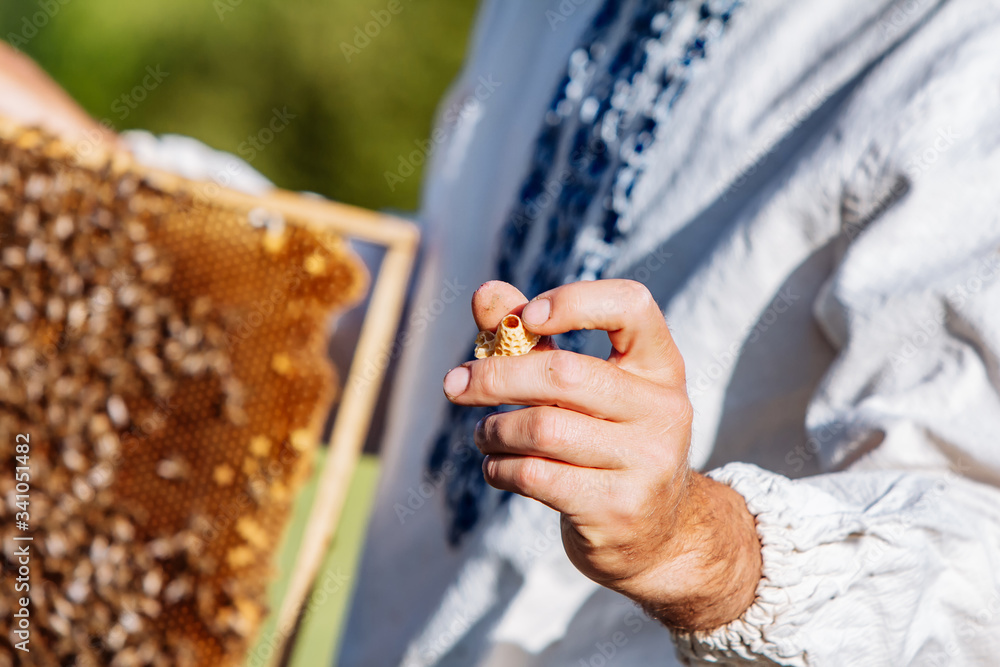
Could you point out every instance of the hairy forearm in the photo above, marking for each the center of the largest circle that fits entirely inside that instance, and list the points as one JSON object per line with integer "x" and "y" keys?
{"x": 716, "y": 545}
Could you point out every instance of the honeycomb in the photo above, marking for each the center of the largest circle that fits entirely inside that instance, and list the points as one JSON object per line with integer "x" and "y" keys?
{"x": 511, "y": 339}
{"x": 165, "y": 352}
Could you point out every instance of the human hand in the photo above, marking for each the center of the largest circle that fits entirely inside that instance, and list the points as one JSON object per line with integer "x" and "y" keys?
{"x": 605, "y": 443}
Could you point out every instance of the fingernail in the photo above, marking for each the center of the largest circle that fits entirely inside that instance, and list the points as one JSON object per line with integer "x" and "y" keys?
{"x": 457, "y": 381}
{"x": 536, "y": 312}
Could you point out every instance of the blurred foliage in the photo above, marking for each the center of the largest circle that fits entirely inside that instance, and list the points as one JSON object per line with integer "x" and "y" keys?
{"x": 230, "y": 63}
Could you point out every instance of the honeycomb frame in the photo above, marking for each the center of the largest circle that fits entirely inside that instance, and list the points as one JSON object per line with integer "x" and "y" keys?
{"x": 185, "y": 353}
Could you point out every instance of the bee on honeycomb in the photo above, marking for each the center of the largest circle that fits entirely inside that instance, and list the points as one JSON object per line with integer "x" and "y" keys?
{"x": 151, "y": 342}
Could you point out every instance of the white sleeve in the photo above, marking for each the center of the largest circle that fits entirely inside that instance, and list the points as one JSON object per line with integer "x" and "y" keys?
{"x": 865, "y": 569}
{"x": 194, "y": 160}
{"x": 893, "y": 557}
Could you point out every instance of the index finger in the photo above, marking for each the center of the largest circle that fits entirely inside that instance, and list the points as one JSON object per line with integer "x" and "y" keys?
{"x": 577, "y": 382}
{"x": 626, "y": 310}
{"x": 495, "y": 300}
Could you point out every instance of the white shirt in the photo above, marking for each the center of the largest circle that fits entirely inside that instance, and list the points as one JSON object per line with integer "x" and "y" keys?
{"x": 820, "y": 226}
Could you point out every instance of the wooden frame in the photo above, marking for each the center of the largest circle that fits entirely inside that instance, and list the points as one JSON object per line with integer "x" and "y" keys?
{"x": 354, "y": 411}
{"x": 400, "y": 239}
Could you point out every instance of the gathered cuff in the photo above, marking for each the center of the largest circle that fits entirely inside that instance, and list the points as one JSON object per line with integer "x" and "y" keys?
{"x": 765, "y": 633}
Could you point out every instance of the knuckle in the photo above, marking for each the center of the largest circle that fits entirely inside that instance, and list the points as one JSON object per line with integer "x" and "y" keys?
{"x": 664, "y": 406}
{"x": 566, "y": 370}
{"x": 487, "y": 431}
{"x": 488, "y": 376}
{"x": 628, "y": 508}
{"x": 546, "y": 428}
{"x": 638, "y": 295}
{"x": 573, "y": 298}
{"x": 530, "y": 474}
{"x": 479, "y": 433}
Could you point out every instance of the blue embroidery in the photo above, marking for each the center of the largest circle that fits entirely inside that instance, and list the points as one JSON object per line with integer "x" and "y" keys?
{"x": 619, "y": 87}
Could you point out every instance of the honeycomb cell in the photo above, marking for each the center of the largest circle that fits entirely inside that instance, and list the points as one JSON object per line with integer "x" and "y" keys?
{"x": 141, "y": 322}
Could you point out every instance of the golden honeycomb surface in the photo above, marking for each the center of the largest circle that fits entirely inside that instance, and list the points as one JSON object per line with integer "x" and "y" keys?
{"x": 165, "y": 352}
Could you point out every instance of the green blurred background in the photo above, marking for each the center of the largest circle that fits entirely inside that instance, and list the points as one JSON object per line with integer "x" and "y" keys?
{"x": 230, "y": 62}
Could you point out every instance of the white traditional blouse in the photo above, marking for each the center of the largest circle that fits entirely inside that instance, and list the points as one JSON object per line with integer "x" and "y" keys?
{"x": 811, "y": 190}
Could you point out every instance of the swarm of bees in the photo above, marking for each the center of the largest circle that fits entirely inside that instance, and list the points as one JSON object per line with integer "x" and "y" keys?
{"x": 166, "y": 355}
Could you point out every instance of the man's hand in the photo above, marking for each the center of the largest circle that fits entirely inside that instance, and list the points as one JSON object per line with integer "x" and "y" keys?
{"x": 605, "y": 443}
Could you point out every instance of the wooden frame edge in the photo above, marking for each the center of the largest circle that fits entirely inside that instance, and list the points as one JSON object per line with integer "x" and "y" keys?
{"x": 360, "y": 392}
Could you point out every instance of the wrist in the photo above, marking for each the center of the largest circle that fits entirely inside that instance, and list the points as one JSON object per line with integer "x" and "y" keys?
{"x": 708, "y": 573}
